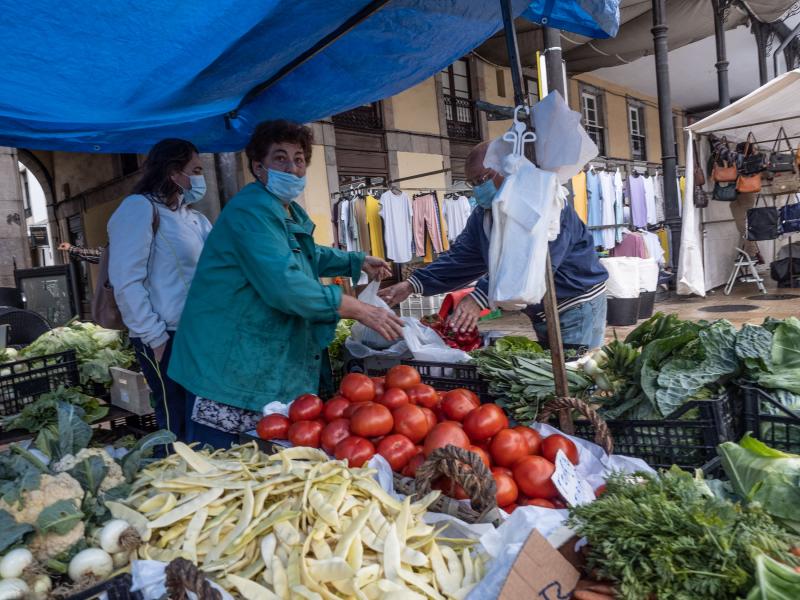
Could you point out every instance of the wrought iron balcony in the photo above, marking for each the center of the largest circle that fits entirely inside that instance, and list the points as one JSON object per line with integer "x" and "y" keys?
{"x": 462, "y": 119}
{"x": 363, "y": 117}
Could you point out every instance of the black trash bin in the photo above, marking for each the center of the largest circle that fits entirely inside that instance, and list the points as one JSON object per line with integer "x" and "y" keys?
{"x": 622, "y": 311}
{"x": 647, "y": 301}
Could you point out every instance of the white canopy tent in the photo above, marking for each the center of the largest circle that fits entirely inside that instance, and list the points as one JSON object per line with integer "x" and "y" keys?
{"x": 709, "y": 236}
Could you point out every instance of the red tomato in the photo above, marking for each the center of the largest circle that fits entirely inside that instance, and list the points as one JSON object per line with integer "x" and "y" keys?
{"x": 510, "y": 508}
{"x": 402, "y": 376}
{"x": 532, "y": 475}
{"x": 558, "y": 503}
{"x": 457, "y": 404}
{"x": 397, "y": 449}
{"x": 334, "y": 408}
{"x": 443, "y": 434}
{"x": 305, "y": 433}
{"x": 372, "y": 420}
{"x": 357, "y": 387}
{"x": 431, "y": 416}
{"x": 483, "y": 454}
{"x": 508, "y": 446}
{"x": 532, "y": 437}
{"x": 410, "y": 469}
{"x": 600, "y": 490}
{"x": 537, "y": 502}
{"x": 507, "y": 490}
{"x": 450, "y": 488}
{"x": 354, "y": 406}
{"x": 392, "y": 398}
{"x": 333, "y": 433}
{"x": 305, "y": 408}
{"x": 553, "y": 443}
{"x": 484, "y": 422}
{"x": 422, "y": 394}
{"x": 378, "y": 380}
{"x": 273, "y": 427}
{"x": 503, "y": 470}
{"x": 411, "y": 421}
{"x": 379, "y": 386}
{"x": 356, "y": 450}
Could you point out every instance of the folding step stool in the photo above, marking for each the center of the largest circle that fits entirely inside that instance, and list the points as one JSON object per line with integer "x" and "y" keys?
{"x": 744, "y": 263}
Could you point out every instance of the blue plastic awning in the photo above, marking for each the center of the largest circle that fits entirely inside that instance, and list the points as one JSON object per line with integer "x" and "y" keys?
{"x": 591, "y": 18}
{"x": 118, "y": 76}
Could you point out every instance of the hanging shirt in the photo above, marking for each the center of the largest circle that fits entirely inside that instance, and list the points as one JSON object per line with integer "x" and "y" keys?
{"x": 654, "y": 248}
{"x": 609, "y": 216}
{"x": 658, "y": 184}
{"x": 633, "y": 245}
{"x": 650, "y": 200}
{"x": 375, "y": 225}
{"x": 681, "y": 194}
{"x": 664, "y": 239}
{"x": 595, "y": 204}
{"x": 638, "y": 202}
{"x": 619, "y": 205}
{"x": 456, "y": 213}
{"x": 579, "y": 196}
{"x": 361, "y": 225}
{"x": 397, "y": 215}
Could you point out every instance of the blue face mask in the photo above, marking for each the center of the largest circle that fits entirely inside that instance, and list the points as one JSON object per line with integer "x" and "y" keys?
{"x": 485, "y": 193}
{"x": 284, "y": 185}
{"x": 197, "y": 191}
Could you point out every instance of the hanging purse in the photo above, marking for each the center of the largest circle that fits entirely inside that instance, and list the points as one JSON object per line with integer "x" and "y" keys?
{"x": 763, "y": 223}
{"x": 700, "y": 198}
{"x": 782, "y": 161}
{"x": 790, "y": 217}
{"x": 724, "y": 173}
{"x": 782, "y": 183}
{"x": 752, "y": 161}
{"x": 699, "y": 174}
{"x": 748, "y": 184}
{"x": 724, "y": 192}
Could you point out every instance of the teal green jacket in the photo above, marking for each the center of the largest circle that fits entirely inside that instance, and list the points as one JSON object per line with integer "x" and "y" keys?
{"x": 257, "y": 319}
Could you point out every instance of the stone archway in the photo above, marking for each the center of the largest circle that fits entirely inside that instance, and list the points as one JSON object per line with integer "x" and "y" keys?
{"x": 45, "y": 178}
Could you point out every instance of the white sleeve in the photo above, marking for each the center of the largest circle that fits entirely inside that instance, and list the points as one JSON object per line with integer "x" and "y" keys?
{"x": 130, "y": 236}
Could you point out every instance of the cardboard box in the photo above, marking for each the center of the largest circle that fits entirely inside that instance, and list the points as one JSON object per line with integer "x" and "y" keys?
{"x": 129, "y": 391}
{"x": 540, "y": 572}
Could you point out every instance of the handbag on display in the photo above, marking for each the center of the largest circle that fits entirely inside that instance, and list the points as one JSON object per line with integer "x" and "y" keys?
{"x": 699, "y": 174}
{"x": 763, "y": 223}
{"x": 790, "y": 217}
{"x": 700, "y": 198}
{"x": 752, "y": 161}
{"x": 725, "y": 192}
{"x": 748, "y": 184}
{"x": 782, "y": 161}
{"x": 724, "y": 173}
{"x": 783, "y": 183}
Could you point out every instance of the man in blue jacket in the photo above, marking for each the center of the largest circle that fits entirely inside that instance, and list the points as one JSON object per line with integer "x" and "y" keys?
{"x": 580, "y": 279}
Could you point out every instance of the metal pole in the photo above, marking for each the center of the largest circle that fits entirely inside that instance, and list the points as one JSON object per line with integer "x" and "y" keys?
{"x": 550, "y": 303}
{"x": 552, "y": 56}
{"x": 668, "y": 157}
{"x": 761, "y": 32}
{"x": 722, "y": 59}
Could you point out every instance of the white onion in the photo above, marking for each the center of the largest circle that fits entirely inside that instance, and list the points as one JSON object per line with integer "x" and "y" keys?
{"x": 15, "y": 562}
{"x": 91, "y": 563}
{"x": 13, "y": 589}
{"x": 118, "y": 536}
{"x": 121, "y": 559}
{"x": 41, "y": 586}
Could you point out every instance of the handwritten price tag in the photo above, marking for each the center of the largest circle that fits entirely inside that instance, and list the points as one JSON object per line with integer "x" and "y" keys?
{"x": 574, "y": 488}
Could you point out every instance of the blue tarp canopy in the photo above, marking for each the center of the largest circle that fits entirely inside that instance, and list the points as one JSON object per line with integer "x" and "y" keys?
{"x": 592, "y": 18}
{"x": 118, "y": 76}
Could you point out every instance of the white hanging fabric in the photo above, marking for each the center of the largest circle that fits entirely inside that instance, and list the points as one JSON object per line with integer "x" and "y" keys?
{"x": 456, "y": 212}
{"x": 691, "y": 277}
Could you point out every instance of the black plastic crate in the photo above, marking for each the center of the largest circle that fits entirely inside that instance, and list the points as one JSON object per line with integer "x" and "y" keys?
{"x": 32, "y": 377}
{"x": 762, "y": 414}
{"x": 688, "y": 437}
{"x": 116, "y": 588}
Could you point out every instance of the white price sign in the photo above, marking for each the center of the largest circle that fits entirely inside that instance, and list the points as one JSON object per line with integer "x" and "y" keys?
{"x": 574, "y": 488}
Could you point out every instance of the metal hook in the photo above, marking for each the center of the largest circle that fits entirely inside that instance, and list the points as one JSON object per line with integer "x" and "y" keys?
{"x": 518, "y": 135}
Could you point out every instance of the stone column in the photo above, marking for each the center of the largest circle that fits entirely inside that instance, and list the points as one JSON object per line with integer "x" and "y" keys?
{"x": 13, "y": 231}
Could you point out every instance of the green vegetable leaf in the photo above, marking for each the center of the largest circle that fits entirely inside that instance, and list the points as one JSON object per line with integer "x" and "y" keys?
{"x": 774, "y": 580}
{"x": 137, "y": 458}
{"x": 653, "y": 357}
{"x": 786, "y": 344}
{"x": 754, "y": 346}
{"x": 117, "y": 493}
{"x": 90, "y": 473}
{"x": 11, "y": 532}
{"x": 59, "y": 518}
{"x": 73, "y": 432}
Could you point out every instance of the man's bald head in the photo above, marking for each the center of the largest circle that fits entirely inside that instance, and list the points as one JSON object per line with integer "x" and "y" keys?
{"x": 473, "y": 165}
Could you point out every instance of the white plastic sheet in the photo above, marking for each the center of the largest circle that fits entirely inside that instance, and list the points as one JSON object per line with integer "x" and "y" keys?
{"x": 425, "y": 344}
{"x": 562, "y": 144}
{"x": 623, "y": 276}
{"x": 398, "y": 350}
{"x": 522, "y": 212}
{"x": 691, "y": 273}
{"x": 648, "y": 275}
{"x": 362, "y": 333}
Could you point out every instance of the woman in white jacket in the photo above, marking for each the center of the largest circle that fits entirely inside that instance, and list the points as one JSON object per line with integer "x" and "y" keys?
{"x": 152, "y": 262}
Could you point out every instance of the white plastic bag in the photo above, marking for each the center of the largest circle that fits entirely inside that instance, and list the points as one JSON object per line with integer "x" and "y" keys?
{"x": 648, "y": 275}
{"x": 425, "y": 344}
{"x": 362, "y": 333}
{"x": 522, "y": 214}
{"x": 398, "y": 350}
{"x": 623, "y": 276}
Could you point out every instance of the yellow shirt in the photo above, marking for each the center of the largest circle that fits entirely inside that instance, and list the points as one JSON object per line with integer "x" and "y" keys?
{"x": 580, "y": 200}
{"x": 375, "y": 226}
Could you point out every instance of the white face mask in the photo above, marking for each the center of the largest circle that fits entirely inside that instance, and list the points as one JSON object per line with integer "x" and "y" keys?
{"x": 197, "y": 190}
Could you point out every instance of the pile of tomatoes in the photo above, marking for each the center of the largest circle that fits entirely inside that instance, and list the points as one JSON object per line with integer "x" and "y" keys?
{"x": 404, "y": 420}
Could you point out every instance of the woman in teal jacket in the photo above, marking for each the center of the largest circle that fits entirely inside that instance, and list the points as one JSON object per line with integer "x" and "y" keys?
{"x": 257, "y": 319}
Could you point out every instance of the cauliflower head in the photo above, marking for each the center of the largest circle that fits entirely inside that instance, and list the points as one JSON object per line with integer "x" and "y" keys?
{"x": 51, "y": 489}
{"x": 113, "y": 478}
{"x": 50, "y": 545}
